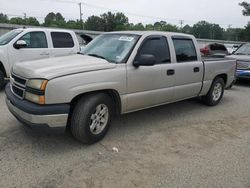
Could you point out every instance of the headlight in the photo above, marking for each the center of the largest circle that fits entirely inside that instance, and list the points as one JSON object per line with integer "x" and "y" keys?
{"x": 39, "y": 99}
{"x": 37, "y": 84}
{"x": 35, "y": 90}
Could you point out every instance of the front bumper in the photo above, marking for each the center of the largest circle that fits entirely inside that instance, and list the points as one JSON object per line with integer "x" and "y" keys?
{"x": 34, "y": 114}
{"x": 243, "y": 74}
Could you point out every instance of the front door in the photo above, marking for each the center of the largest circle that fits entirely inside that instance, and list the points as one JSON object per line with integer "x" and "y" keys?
{"x": 37, "y": 48}
{"x": 151, "y": 85}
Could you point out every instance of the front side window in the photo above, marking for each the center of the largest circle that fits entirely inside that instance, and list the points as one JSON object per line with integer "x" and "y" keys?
{"x": 62, "y": 40}
{"x": 185, "y": 50}
{"x": 114, "y": 48}
{"x": 35, "y": 40}
{"x": 6, "y": 38}
{"x": 158, "y": 47}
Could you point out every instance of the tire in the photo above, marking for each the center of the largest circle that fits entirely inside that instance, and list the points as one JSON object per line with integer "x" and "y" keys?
{"x": 215, "y": 93}
{"x": 91, "y": 118}
{"x": 2, "y": 81}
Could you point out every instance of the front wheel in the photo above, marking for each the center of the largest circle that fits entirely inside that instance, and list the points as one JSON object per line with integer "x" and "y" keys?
{"x": 215, "y": 93}
{"x": 91, "y": 118}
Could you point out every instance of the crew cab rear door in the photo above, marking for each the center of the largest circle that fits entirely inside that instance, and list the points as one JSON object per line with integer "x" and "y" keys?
{"x": 188, "y": 68}
{"x": 151, "y": 85}
{"x": 63, "y": 44}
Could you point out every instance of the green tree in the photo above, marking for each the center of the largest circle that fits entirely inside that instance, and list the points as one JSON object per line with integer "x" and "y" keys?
{"x": 32, "y": 21}
{"x": 187, "y": 29}
{"x": 54, "y": 20}
{"x": 49, "y": 19}
{"x": 3, "y": 18}
{"x": 114, "y": 22}
{"x": 138, "y": 27}
{"x": 207, "y": 30}
{"x": 94, "y": 23}
{"x": 17, "y": 20}
{"x": 246, "y": 8}
{"x": 149, "y": 27}
{"x": 72, "y": 24}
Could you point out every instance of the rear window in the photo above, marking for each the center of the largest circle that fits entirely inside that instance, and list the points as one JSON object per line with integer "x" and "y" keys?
{"x": 185, "y": 50}
{"x": 218, "y": 47}
{"x": 62, "y": 40}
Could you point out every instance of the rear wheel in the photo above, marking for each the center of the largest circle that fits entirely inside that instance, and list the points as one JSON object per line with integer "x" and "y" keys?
{"x": 2, "y": 81}
{"x": 91, "y": 118}
{"x": 215, "y": 93}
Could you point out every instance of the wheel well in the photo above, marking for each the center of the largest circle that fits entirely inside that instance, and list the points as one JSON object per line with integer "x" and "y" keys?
{"x": 2, "y": 69}
{"x": 223, "y": 76}
{"x": 114, "y": 95}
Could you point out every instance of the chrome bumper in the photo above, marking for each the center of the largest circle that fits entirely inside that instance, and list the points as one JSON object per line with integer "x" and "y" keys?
{"x": 57, "y": 120}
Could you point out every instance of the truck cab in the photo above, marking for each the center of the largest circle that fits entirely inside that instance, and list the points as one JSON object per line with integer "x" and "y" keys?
{"x": 21, "y": 45}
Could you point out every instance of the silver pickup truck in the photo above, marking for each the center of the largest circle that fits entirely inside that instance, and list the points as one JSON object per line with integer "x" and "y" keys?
{"x": 119, "y": 72}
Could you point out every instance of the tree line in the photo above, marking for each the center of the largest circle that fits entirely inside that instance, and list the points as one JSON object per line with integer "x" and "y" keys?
{"x": 118, "y": 21}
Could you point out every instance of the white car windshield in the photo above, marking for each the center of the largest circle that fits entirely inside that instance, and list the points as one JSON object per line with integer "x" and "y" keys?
{"x": 243, "y": 50}
{"x": 6, "y": 38}
{"x": 114, "y": 48}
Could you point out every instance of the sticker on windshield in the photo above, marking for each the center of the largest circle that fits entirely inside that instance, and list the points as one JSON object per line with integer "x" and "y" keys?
{"x": 125, "y": 38}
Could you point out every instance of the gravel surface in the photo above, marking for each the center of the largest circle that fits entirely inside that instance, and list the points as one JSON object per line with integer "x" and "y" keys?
{"x": 185, "y": 144}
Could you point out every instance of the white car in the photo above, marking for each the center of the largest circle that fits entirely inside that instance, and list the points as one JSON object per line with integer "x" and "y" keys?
{"x": 34, "y": 43}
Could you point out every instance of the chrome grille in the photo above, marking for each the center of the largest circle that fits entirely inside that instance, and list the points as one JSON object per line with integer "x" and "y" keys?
{"x": 243, "y": 65}
{"x": 18, "y": 85}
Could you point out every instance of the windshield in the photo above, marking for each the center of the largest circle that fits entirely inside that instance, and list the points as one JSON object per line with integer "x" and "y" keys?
{"x": 114, "y": 48}
{"x": 243, "y": 50}
{"x": 6, "y": 38}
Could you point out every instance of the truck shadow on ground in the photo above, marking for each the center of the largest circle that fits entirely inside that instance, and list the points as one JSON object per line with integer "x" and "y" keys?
{"x": 245, "y": 83}
{"x": 59, "y": 140}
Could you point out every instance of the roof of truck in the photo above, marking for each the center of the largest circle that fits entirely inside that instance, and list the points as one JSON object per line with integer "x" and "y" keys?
{"x": 149, "y": 33}
{"x": 44, "y": 29}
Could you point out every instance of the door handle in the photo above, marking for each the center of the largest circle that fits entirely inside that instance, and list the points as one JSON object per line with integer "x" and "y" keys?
{"x": 196, "y": 69}
{"x": 170, "y": 72}
{"x": 44, "y": 53}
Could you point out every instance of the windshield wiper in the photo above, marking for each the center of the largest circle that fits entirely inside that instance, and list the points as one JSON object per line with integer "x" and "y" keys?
{"x": 240, "y": 54}
{"x": 99, "y": 56}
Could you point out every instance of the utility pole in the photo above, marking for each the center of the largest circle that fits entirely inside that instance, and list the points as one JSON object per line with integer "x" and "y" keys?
{"x": 181, "y": 22}
{"x": 25, "y": 18}
{"x": 81, "y": 14}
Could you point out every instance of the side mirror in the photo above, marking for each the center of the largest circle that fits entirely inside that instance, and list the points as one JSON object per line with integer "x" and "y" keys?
{"x": 20, "y": 44}
{"x": 145, "y": 60}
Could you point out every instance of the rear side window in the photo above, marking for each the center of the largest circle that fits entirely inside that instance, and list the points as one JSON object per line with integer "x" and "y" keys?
{"x": 158, "y": 47}
{"x": 185, "y": 50}
{"x": 62, "y": 40}
{"x": 35, "y": 39}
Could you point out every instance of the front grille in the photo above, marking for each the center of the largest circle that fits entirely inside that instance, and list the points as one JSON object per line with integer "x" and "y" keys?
{"x": 19, "y": 80}
{"x": 18, "y": 85}
{"x": 18, "y": 91}
{"x": 243, "y": 65}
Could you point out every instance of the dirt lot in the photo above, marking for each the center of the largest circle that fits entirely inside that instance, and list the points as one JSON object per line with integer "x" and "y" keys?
{"x": 185, "y": 144}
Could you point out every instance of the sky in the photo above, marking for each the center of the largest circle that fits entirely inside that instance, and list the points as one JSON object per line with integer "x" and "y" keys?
{"x": 223, "y": 12}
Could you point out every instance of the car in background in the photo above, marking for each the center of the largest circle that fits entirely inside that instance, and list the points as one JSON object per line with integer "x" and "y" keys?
{"x": 231, "y": 48}
{"x": 242, "y": 55}
{"x": 28, "y": 44}
{"x": 213, "y": 49}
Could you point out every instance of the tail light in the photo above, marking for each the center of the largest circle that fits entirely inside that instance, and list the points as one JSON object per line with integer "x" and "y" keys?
{"x": 205, "y": 51}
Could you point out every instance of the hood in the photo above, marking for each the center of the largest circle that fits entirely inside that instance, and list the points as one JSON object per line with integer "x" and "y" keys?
{"x": 241, "y": 57}
{"x": 60, "y": 66}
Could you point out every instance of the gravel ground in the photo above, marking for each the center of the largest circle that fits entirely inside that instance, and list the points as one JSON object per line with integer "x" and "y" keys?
{"x": 185, "y": 144}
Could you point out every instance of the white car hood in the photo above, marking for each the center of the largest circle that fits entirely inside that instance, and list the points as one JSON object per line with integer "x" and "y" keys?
{"x": 241, "y": 57}
{"x": 60, "y": 66}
